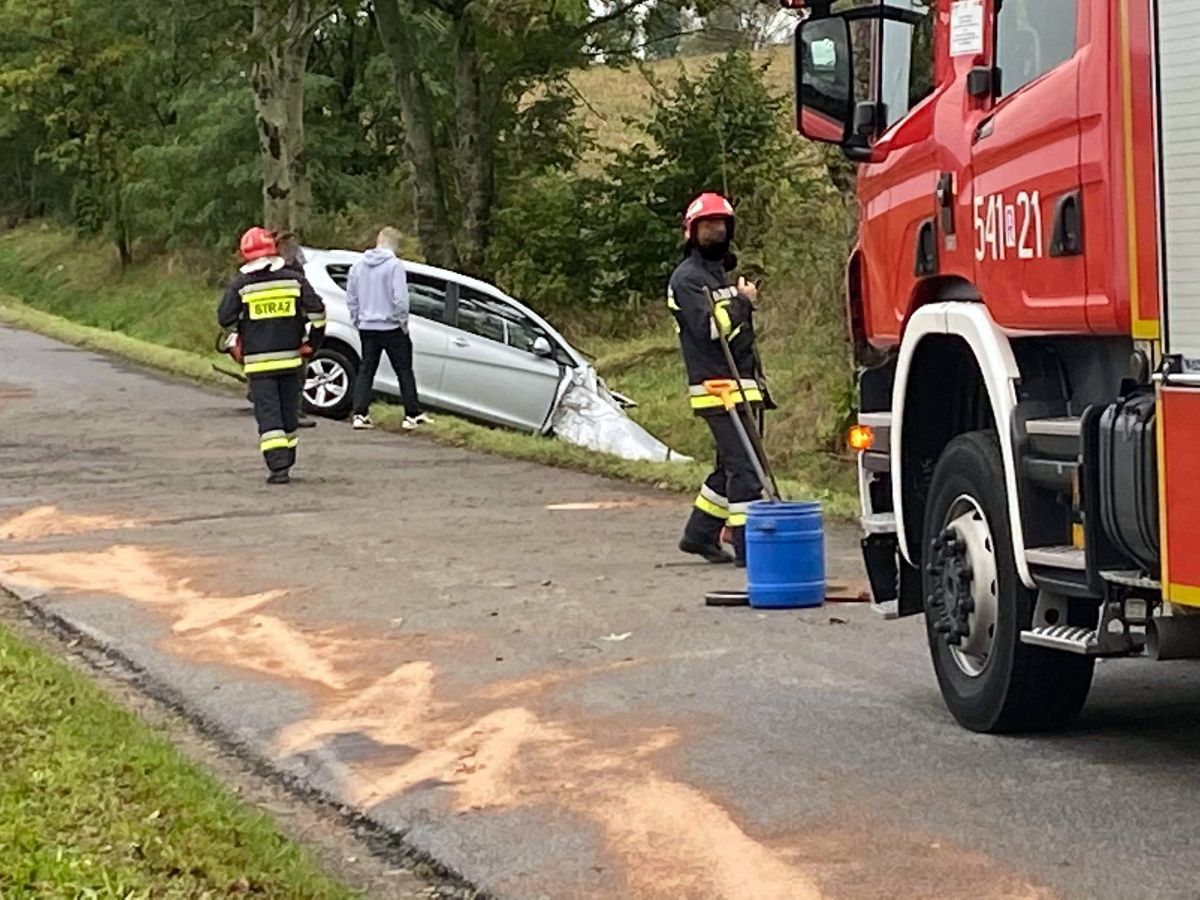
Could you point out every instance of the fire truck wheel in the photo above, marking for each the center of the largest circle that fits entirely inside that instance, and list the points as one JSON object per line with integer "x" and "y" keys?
{"x": 976, "y": 606}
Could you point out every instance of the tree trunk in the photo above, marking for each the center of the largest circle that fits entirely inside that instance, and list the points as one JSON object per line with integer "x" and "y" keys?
{"x": 120, "y": 222}
{"x": 473, "y": 156}
{"x": 433, "y": 220}
{"x": 300, "y": 211}
{"x": 282, "y": 39}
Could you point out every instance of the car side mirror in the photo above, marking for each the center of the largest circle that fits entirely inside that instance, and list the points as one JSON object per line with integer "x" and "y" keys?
{"x": 541, "y": 347}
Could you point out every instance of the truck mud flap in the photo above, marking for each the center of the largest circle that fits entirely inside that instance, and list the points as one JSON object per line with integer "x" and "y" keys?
{"x": 892, "y": 579}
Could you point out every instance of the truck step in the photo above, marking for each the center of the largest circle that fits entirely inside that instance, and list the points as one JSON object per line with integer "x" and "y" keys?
{"x": 1071, "y": 558}
{"x": 1084, "y": 641}
{"x": 1063, "y": 426}
{"x": 879, "y": 523}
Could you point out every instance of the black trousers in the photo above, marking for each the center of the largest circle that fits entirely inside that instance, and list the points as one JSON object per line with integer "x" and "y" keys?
{"x": 727, "y": 493}
{"x": 276, "y": 399}
{"x": 250, "y": 398}
{"x": 399, "y": 349}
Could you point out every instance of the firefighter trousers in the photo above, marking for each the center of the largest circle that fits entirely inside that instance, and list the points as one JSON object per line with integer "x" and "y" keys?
{"x": 276, "y": 399}
{"x": 727, "y": 493}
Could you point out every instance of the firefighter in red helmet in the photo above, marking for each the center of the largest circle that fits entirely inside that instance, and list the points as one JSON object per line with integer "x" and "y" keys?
{"x": 269, "y": 305}
{"x": 706, "y": 308}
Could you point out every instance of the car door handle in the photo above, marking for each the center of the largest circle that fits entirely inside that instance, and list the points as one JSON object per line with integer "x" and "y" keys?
{"x": 461, "y": 342}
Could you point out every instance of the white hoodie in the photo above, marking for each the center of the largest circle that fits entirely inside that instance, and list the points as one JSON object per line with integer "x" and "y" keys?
{"x": 377, "y": 292}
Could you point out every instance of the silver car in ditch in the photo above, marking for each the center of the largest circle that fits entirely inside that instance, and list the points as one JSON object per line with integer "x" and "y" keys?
{"x": 476, "y": 351}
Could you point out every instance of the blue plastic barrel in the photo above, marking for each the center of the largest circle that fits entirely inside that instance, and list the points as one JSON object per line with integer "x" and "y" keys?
{"x": 785, "y": 555}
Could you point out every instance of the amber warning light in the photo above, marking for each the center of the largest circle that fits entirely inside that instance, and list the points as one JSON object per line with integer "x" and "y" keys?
{"x": 861, "y": 438}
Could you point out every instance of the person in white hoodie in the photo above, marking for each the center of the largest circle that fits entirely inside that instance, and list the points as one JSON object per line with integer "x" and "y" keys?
{"x": 377, "y": 295}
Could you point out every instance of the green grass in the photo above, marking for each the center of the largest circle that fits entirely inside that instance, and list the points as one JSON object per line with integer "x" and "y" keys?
{"x": 94, "y": 804}
{"x": 169, "y": 300}
{"x": 160, "y": 314}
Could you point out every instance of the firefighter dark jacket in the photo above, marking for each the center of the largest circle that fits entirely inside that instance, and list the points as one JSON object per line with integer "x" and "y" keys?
{"x": 268, "y": 305}
{"x": 699, "y": 330}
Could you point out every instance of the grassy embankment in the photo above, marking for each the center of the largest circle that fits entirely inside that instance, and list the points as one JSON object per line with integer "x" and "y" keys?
{"x": 94, "y": 804}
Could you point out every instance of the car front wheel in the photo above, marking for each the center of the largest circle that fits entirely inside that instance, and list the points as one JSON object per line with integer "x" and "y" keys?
{"x": 329, "y": 384}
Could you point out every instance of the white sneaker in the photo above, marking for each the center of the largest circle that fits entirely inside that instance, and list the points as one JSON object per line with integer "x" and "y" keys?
{"x": 423, "y": 419}
{"x": 411, "y": 423}
{"x": 363, "y": 423}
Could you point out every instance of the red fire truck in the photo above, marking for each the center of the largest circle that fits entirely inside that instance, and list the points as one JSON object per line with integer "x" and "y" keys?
{"x": 1024, "y": 299}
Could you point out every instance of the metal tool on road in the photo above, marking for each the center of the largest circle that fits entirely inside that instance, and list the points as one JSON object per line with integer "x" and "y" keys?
{"x": 751, "y": 434}
{"x": 727, "y": 599}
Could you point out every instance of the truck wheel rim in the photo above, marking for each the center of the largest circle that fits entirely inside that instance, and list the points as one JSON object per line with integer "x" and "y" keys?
{"x": 326, "y": 383}
{"x": 965, "y": 598}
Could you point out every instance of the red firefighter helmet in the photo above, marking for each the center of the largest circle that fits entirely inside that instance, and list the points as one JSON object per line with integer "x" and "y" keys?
{"x": 707, "y": 206}
{"x": 257, "y": 243}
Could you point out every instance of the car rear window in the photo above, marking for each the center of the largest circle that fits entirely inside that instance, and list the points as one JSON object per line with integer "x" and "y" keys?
{"x": 427, "y": 296}
{"x": 339, "y": 274}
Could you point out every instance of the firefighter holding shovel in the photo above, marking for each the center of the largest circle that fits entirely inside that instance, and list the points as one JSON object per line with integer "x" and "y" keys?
{"x": 715, "y": 321}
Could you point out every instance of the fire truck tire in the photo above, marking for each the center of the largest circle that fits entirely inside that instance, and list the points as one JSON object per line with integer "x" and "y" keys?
{"x": 976, "y": 606}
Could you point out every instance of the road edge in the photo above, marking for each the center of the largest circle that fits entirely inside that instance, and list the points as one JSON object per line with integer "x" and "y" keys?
{"x": 385, "y": 841}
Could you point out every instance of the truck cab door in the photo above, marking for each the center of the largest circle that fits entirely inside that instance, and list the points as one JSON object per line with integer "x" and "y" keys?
{"x": 1027, "y": 184}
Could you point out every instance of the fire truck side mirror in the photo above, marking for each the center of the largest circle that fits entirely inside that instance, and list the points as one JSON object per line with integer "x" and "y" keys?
{"x": 825, "y": 96}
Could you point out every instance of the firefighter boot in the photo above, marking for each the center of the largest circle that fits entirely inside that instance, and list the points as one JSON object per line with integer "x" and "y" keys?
{"x": 737, "y": 537}
{"x": 702, "y": 537}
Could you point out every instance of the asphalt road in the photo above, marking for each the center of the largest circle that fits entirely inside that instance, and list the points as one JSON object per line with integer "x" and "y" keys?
{"x": 537, "y": 696}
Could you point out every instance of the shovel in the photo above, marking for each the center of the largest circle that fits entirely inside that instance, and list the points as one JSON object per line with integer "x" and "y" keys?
{"x": 727, "y": 390}
{"x": 752, "y": 438}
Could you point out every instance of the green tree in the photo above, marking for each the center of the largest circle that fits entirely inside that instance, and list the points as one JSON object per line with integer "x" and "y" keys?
{"x": 100, "y": 88}
{"x": 663, "y": 27}
{"x": 465, "y": 70}
{"x": 736, "y": 25}
{"x": 78, "y": 71}
{"x": 202, "y": 183}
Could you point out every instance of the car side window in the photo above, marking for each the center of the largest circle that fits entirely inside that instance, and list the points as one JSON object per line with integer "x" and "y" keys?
{"x": 497, "y": 320}
{"x": 476, "y": 317}
{"x": 427, "y": 297}
{"x": 339, "y": 274}
{"x": 1033, "y": 37}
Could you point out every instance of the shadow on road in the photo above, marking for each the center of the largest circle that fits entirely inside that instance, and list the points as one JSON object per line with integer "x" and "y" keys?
{"x": 1146, "y": 713}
